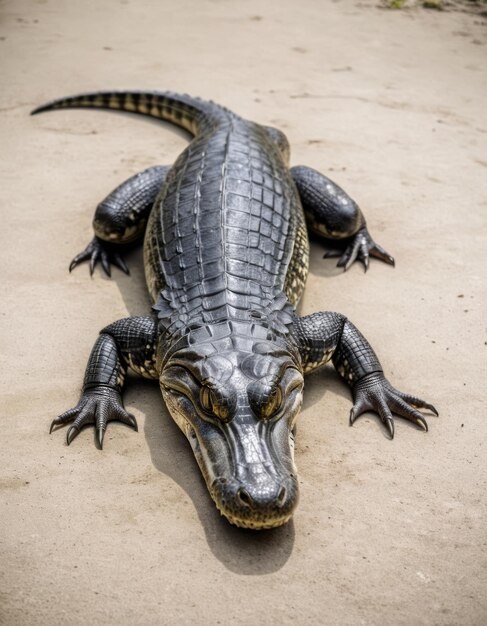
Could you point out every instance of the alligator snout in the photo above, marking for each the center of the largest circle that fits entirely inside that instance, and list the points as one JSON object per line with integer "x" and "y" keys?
{"x": 255, "y": 502}
{"x": 258, "y": 504}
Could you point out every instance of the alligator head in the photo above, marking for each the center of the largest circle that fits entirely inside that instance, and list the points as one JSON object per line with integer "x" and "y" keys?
{"x": 236, "y": 399}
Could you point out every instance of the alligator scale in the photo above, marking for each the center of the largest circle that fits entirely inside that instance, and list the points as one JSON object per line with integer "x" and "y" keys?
{"x": 226, "y": 260}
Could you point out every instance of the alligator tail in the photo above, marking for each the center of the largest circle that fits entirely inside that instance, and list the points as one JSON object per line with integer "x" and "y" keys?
{"x": 192, "y": 114}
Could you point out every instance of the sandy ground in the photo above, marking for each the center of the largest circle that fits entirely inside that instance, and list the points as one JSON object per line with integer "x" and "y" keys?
{"x": 390, "y": 104}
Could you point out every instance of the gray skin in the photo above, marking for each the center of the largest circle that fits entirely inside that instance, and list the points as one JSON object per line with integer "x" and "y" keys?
{"x": 226, "y": 260}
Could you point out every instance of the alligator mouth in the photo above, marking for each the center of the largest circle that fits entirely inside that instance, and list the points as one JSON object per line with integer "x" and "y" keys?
{"x": 254, "y": 524}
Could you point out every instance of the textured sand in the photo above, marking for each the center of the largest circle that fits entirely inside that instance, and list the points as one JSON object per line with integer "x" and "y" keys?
{"x": 390, "y": 104}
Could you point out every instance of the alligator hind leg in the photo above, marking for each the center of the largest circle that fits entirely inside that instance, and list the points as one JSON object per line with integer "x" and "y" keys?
{"x": 121, "y": 218}
{"x": 130, "y": 342}
{"x": 332, "y": 214}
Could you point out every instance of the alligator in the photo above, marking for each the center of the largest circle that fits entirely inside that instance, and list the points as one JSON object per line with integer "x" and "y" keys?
{"x": 226, "y": 259}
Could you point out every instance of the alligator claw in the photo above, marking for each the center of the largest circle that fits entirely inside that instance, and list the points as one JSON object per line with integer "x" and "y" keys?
{"x": 100, "y": 433}
{"x": 423, "y": 423}
{"x": 79, "y": 258}
{"x": 99, "y": 251}
{"x": 71, "y": 434}
{"x": 381, "y": 254}
{"x": 365, "y": 258}
{"x": 97, "y": 406}
{"x": 360, "y": 247}
{"x": 65, "y": 417}
{"x": 105, "y": 263}
{"x": 120, "y": 263}
{"x": 419, "y": 404}
{"x": 352, "y": 255}
{"x": 375, "y": 393}
{"x": 389, "y": 422}
{"x": 131, "y": 421}
{"x": 93, "y": 261}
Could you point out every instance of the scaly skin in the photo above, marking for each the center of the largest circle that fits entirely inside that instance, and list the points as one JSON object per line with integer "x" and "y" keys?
{"x": 226, "y": 260}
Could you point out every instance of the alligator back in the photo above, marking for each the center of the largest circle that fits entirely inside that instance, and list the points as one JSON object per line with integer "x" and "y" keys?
{"x": 223, "y": 229}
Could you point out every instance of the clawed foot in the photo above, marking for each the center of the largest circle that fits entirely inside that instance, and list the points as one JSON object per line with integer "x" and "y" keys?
{"x": 375, "y": 393}
{"x": 99, "y": 250}
{"x": 361, "y": 247}
{"x": 97, "y": 406}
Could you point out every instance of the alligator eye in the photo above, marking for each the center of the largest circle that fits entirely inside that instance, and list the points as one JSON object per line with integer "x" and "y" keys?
{"x": 212, "y": 403}
{"x": 207, "y": 399}
{"x": 273, "y": 404}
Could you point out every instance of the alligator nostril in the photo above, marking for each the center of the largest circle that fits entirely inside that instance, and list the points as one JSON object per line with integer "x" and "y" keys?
{"x": 244, "y": 497}
{"x": 281, "y": 495}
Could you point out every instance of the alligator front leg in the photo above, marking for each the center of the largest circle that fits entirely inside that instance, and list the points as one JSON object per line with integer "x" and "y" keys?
{"x": 324, "y": 336}
{"x": 121, "y": 218}
{"x": 130, "y": 342}
{"x": 332, "y": 214}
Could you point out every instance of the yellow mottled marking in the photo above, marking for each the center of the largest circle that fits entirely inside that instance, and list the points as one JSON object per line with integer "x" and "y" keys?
{"x": 128, "y": 104}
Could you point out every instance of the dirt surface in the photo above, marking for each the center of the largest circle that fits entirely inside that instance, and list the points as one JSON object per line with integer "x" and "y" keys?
{"x": 392, "y": 105}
